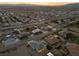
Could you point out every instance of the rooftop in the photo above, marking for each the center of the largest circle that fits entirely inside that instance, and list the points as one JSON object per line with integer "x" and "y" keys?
{"x": 37, "y": 44}
{"x": 50, "y": 54}
{"x": 9, "y": 41}
{"x": 73, "y": 49}
{"x": 51, "y": 39}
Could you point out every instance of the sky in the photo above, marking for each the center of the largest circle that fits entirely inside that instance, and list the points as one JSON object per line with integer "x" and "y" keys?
{"x": 38, "y": 3}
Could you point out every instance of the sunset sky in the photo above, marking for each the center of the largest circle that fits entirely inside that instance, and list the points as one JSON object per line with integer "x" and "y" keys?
{"x": 38, "y": 3}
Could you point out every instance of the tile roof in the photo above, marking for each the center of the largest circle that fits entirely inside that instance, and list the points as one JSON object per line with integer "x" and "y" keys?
{"x": 52, "y": 39}
{"x": 73, "y": 49}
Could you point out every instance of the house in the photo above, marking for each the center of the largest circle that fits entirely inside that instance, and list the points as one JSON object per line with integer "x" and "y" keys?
{"x": 36, "y": 31}
{"x": 63, "y": 33}
{"x": 38, "y": 46}
{"x": 46, "y": 28}
{"x": 37, "y": 37}
{"x": 10, "y": 41}
{"x": 23, "y": 35}
{"x": 42, "y": 52}
{"x": 53, "y": 40}
{"x": 73, "y": 49}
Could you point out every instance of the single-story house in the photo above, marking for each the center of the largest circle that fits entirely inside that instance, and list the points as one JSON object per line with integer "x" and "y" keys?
{"x": 10, "y": 41}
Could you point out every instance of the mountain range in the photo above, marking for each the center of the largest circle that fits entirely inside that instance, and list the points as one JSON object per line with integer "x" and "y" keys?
{"x": 31, "y": 5}
{"x": 72, "y": 5}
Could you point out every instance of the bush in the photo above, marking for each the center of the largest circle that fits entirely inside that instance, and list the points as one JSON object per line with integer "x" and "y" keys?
{"x": 16, "y": 32}
{"x": 28, "y": 29}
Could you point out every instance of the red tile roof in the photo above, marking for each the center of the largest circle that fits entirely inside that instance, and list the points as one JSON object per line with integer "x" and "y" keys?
{"x": 51, "y": 39}
{"x": 73, "y": 49}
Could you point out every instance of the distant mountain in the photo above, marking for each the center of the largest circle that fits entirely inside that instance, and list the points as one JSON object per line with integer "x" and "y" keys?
{"x": 72, "y": 5}
{"x": 19, "y": 5}
{"x": 34, "y": 6}
{"x": 29, "y": 6}
{"x": 75, "y": 6}
{"x": 14, "y": 5}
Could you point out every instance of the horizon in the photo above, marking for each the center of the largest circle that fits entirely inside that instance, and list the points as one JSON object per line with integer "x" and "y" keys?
{"x": 39, "y": 3}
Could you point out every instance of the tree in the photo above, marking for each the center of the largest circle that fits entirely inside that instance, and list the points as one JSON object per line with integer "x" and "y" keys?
{"x": 49, "y": 47}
